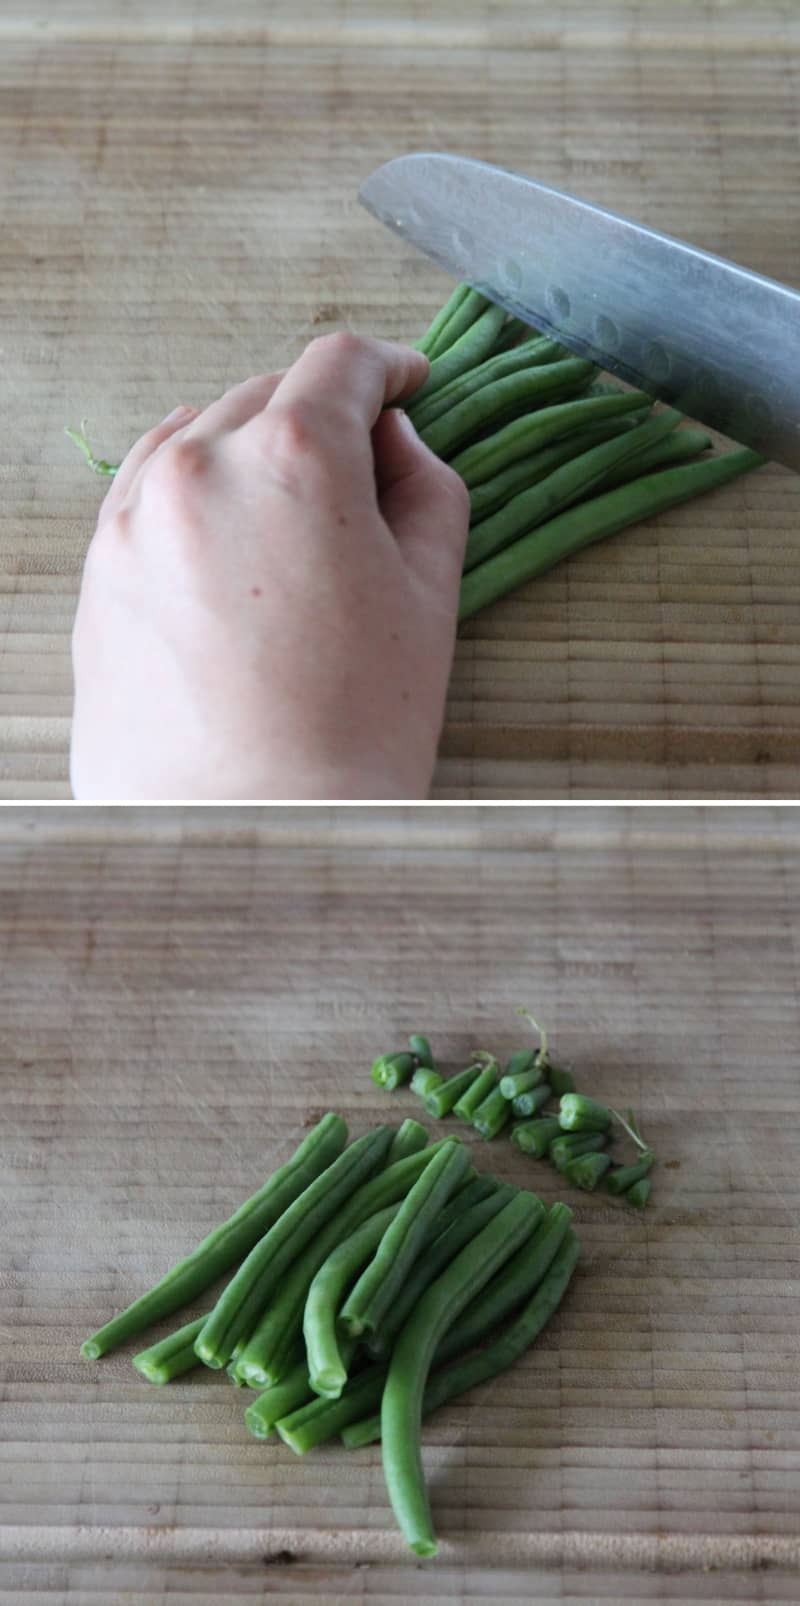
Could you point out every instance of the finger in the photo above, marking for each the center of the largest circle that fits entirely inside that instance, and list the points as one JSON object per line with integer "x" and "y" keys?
{"x": 424, "y": 502}
{"x": 237, "y": 406}
{"x": 351, "y": 377}
{"x": 137, "y": 456}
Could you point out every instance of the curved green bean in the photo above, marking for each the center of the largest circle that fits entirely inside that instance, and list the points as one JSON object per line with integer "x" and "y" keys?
{"x": 486, "y": 458}
{"x": 531, "y": 355}
{"x": 228, "y": 1242}
{"x": 591, "y": 521}
{"x": 379, "y": 1285}
{"x": 528, "y": 385}
{"x": 243, "y": 1300}
{"x": 171, "y": 1356}
{"x": 564, "y": 486}
{"x": 410, "y": 1137}
{"x": 470, "y": 348}
{"x": 326, "y": 1370}
{"x": 267, "y": 1352}
{"x": 401, "y": 1407}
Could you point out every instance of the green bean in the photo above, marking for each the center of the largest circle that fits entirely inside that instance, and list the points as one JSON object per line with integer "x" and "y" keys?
{"x": 469, "y": 1194}
{"x": 534, "y": 1137}
{"x": 527, "y": 1103}
{"x": 492, "y": 1114}
{"x": 240, "y": 1305}
{"x": 516, "y": 1082}
{"x": 492, "y": 494}
{"x": 498, "y": 366}
{"x": 392, "y": 1070}
{"x": 639, "y": 1194}
{"x": 409, "y": 1138}
{"x": 507, "y": 1290}
{"x": 566, "y": 485}
{"x": 326, "y": 1369}
{"x": 268, "y": 1351}
{"x": 470, "y": 348}
{"x": 529, "y": 386}
{"x": 587, "y": 1169}
{"x": 624, "y": 1176}
{"x": 313, "y": 1423}
{"x": 380, "y": 1284}
{"x": 477, "y": 1091}
{"x": 561, "y": 1081}
{"x": 571, "y": 1145}
{"x": 441, "y": 1100}
{"x": 439, "y": 1307}
{"x": 424, "y": 1081}
{"x": 577, "y": 1113}
{"x": 172, "y": 1356}
{"x": 451, "y": 1381}
{"x": 679, "y": 447}
{"x": 228, "y": 1242}
{"x": 515, "y": 330}
{"x": 436, "y": 1257}
{"x": 456, "y": 317}
{"x": 486, "y": 458}
{"x": 422, "y": 1051}
{"x": 590, "y": 521}
{"x": 293, "y": 1390}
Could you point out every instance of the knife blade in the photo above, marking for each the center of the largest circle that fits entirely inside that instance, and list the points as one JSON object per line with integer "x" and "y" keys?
{"x": 694, "y": 330}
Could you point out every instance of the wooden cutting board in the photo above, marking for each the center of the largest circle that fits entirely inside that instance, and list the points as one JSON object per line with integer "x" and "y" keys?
{"x": 178, "y": 1002}
{"x": 179, "y": 212}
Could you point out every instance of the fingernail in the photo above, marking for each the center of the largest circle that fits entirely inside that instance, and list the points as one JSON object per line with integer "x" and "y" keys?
{"x": 177, "y": 412}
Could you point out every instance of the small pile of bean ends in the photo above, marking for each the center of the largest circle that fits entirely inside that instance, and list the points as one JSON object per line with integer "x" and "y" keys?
{"x": 379, "y": 1276}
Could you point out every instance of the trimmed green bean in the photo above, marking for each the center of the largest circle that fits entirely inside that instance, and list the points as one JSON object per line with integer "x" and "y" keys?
{"x": 528, "y": 385}
{"x": 451, "y": 1381}
{"x": 321, "y": 1419}
{"x": 424, "y": 1081}
{"x": 484, "y": 459}
{"x": 393, "y": 1070}
{"x": 410, "y": 1137}
{"x": 492, "y": 494}
{"x": 591, "y": 521}
{"x": 516, "y": 1082}
{"x": 439, "y": 1307}
{"x": 478, "y": 1090}
{"x": 326, "y": 1369}
{"x": 267, "y": 1352}
{"x": 571, "y": 1145}
{"x": 436, "y": 1257}
{"x": 379, "y": 1285}
{"x": 568, "y": 484}
{"x": 639, "y": 1194}
{"x": 228, "y": 1242}
{"x": 240, "y": 1305}
{"x": 527, "y": 1104}
{"x": 293, "y": 1390}
{"x": 534, "y": 1137}
{"x": 469, "y": 349}
{"x": 456, "y": 318}
{"x": 441, "y": 1100}
{"x": 577, "y": 1113}
{"x": 499, "y": 366}
{"x": 587, "y": 1170}
{"x": 421, "y": 1049}
{"x": 624, "y": 1176}
{"x": 172, "y": 1356}
{"x": 492, "y": 1114}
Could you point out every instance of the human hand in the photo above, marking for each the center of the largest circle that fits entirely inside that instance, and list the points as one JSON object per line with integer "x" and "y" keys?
{"x": 268, "y": 605}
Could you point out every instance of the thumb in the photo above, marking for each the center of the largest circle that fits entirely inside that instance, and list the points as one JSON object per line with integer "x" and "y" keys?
{"x": 424, "y": 502}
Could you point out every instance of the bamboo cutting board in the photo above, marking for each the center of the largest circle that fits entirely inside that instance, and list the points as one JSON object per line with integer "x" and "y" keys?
{"x": 179, "y": 212}
{"x": 179, "y": 998}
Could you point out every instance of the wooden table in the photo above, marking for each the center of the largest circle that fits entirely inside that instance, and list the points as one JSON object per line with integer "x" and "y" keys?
{"x": 180, "y": 993}
{"x": 179, "y": 212}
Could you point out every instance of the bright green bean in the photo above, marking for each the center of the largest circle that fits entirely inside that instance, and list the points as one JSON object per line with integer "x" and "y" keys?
{"x": 534, "y": 1137}
{"x": 421, "y": 1049}
{"x": 577, "y": 1113}
{"x": 240, "y": 1305}
{"x": 492, "y": 1114}
{"x": 639, "y": 1194}
{"x": 424, "y": 1081}
{"x": 268, "y": 1351}
{"x": 479, "y": 411}
{"x": 441, "y": 1100}
{"x": 438, "y": 1309}
{"x": 625, "y": 1175}
{"x": 531, "y": 355}
{"x": 320, "y": 1419}
{"x": 326, "y": 1369}
{"x": 533, "y": 1099}
{"x": 492, "y": 494}
{"x": 172, "y": 1356}
{"x": 570, "y": 1145}
{"x": 393, "y": 1070}
{"x": 478, "y": 1090}
{"x": 486, "y": 458}
{"x": 516, "y": 1082}
{"x": 294, "y": 1389}
{"x": 379, "y": 1285}
{"x": 568, "y": 484}
{"x": 456, "y": 318}
{"x": 591, "y": 521}
{"x": 586, "y": 1170}
{"x": 470, "y": 348}
{"x": 228, "y": 1242}
{"x": 410, "y": 1137}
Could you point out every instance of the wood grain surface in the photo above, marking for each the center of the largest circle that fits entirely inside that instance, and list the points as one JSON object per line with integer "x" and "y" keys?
{"x": 181, "y": 991}
{"x": 178, "y": 211}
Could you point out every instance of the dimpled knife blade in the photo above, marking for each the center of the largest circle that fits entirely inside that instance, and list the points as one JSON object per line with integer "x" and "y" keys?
{"x": 707, "y": 336}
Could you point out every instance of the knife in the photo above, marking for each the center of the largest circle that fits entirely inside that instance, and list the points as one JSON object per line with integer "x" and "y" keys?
{"x": 707, "y": 336}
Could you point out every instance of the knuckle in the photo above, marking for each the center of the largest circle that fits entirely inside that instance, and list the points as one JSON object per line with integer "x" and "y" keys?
{"x": 176, "y": 470}
{"x": 344, "y": 343}
{"x": 293, "y": 427}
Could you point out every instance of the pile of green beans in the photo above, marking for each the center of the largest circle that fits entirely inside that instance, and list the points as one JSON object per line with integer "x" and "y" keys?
{"x": 574, "y": 1138}
{"x": 366, "y": 1273}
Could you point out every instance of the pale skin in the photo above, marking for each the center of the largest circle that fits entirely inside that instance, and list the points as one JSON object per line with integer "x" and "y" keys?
{"x": 268, "y": 605}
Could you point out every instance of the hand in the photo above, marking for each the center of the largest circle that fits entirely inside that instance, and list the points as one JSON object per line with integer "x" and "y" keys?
{"x": 268, "y": 606}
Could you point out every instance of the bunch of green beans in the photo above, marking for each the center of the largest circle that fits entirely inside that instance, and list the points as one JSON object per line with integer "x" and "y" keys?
{"x": 360, "y": 1265}
{"x": 573, "y": 1139}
